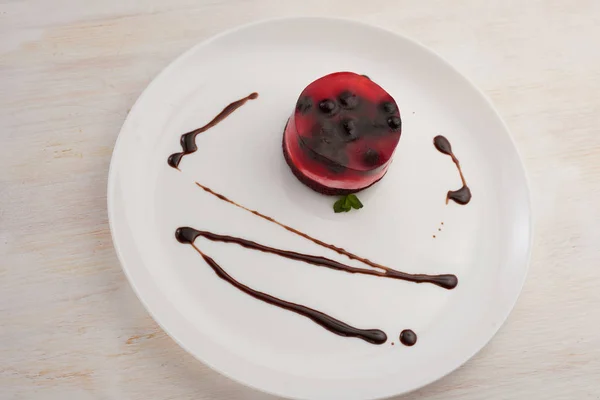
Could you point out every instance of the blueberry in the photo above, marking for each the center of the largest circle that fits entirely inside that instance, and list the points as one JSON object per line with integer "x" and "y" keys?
{"x": 304, "y": 104}
{"x": 394, "y": 122}
{"x": 327, "y": 106}
{"x": 371, "y": 157}
{"x": 388, "y": 107}
{"x": 348, "y": 100}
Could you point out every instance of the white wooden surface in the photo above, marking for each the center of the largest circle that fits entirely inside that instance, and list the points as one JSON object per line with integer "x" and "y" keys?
{"x": 71, "y": 327}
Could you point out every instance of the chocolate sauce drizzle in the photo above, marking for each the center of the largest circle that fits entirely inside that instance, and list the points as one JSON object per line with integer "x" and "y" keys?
{"x": 375, "y": 336}
{"x": 462, "y": 195}
{"x": 292, "y": 255}
{"x": 408, "y": 337}
{"x": 188, "y": 140}
{"x": 446, "y": 281}
{"x": 188, "y": 235}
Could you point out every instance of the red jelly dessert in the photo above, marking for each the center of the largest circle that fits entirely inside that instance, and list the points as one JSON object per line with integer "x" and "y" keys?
{"x": 342, "y": 135}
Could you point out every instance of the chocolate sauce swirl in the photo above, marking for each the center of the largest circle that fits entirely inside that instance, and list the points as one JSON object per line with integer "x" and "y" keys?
{"x": 188, "y": 140}
{"x": 463, "y": 195}
{"x": 375, "y": 336}
{"x": 446, "y": 281}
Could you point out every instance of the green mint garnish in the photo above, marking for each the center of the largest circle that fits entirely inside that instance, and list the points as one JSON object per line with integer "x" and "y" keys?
{"x": 354, "y": 201}
{"x": 346, "y": 203}
{"x": 340, "y": 206}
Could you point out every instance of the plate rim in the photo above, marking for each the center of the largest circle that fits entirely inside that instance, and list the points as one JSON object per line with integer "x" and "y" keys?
{"x": 112, "y": 180}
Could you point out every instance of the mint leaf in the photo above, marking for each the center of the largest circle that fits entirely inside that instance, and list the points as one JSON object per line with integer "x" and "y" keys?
{"x": 347, "y": 203}
{"x": 354, "y": 202}
{"x": 338, "y": 206}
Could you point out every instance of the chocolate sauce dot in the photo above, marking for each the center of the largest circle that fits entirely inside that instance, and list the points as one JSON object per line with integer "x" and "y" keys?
{"x": 408, "y": 337}
{"x": 327, "y": 106}
{"x": 442, "y": 145}
{"x": 304, "y": 104}
{"x": 388, "y": 107}
{"x": 366, "y": 76}
{"x": 461, "y": 196}
{"x": 348, "y": 100}
{"x": 186, "y": 235}
{"x": 371, "y": 157}
{"x": 394, "y": 122}
{"x": 448, "y": 281}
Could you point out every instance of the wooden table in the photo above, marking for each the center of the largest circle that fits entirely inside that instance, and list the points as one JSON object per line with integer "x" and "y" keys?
{"x": 71, "y": 327}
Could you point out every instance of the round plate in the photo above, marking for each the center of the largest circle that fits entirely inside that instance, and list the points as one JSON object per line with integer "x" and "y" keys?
{"x": 405, "y": 223}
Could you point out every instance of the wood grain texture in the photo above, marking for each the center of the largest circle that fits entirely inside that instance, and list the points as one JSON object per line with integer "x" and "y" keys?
{"x": 70, "y": 325}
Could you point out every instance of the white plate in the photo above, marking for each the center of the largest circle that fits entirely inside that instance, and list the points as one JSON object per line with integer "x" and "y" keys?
{"x": 485, "y": 243}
